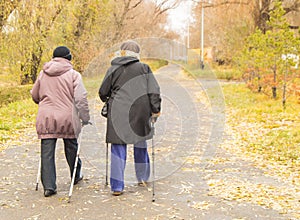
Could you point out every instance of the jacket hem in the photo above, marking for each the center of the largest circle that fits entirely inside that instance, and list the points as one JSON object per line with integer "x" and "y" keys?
{"x": 49, "y": 136}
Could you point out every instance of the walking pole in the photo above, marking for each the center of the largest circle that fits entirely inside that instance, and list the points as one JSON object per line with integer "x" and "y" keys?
{"x": 153, "y": 156}
{"x": 75, "y": 167}
{"x": 38, "y": 175}
{"x": 106, "y": 175}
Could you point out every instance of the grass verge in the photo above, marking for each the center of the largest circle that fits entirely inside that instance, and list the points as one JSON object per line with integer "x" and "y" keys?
{"x": 265, "y": 128}
{"x": 212, "y": 72}
{"x": 15, "y": 118}
{"x": 10, "y": 94}
{"x": 155, "y": 64}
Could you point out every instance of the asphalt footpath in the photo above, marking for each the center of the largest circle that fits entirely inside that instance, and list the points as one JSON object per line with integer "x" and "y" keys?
{"x": 193, "y": 172}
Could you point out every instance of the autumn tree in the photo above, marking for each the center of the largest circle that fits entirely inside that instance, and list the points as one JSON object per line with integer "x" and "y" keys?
{"x": 25, "y": 37}
{"x": 31, "y": 29}
{"x": 251, "y": 60}
{"x": 265, "y": 51}
{"x": 81, "y": 27}
{"x": 37, "y": 27}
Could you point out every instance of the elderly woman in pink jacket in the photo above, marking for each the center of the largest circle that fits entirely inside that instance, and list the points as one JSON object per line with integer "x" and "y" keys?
{"x": 63, "y": 109}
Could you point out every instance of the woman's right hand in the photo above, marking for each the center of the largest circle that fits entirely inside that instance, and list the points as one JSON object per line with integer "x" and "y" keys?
{"x": 154, "y": 117}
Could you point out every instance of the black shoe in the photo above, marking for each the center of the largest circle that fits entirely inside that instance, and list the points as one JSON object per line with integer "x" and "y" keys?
{"x": 76, "y": 181}
{"x": 49, "y": 192}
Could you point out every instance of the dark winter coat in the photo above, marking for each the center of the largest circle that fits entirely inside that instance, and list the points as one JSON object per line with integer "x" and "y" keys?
{"x": 133, "y": 94}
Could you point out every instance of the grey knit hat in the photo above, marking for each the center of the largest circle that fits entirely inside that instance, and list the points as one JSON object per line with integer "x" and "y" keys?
{"x": 130, "y": 45}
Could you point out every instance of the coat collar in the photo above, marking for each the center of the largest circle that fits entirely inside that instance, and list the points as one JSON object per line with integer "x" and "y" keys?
{"x": 124, "y": 53}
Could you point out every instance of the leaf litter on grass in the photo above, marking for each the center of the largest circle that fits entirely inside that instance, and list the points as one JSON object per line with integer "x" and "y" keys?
{"x": 284, "y": 196}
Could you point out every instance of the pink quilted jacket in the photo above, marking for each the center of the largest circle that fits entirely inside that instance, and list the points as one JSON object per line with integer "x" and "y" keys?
{"x": 62, "y": 100}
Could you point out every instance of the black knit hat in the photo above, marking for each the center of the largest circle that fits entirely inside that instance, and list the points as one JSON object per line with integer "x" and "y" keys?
{"x": 63, "y": 52}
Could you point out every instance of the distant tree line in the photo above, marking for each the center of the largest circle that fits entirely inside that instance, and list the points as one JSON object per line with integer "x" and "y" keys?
{"x": 227, "y": 23}
{"x": 30, "y": 29}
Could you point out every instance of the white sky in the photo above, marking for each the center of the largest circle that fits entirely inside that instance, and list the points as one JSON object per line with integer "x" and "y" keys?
{"x": 178, "y": 17}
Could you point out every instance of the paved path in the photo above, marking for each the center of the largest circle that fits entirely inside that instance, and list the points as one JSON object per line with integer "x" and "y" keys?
{"x": 190, "y": 168}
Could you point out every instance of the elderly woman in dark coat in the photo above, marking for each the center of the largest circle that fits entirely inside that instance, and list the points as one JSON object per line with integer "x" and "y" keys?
{"x": 133, "y": 97}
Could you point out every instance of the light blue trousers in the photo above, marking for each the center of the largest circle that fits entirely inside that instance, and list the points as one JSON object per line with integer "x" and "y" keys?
{"x": 118, "y": 163}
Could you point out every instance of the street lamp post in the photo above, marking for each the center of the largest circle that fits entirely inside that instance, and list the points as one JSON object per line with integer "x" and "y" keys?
{"x": 202, "y": 37}
{"x": 202, "y": 34}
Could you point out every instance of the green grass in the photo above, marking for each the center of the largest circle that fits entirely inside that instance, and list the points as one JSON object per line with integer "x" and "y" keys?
{"x": 155, "y": 64}
{"x": 212, "y": 72}
{"x": 15, "y": 118}
{"x": 269, "y": 130}
{"x": 17, "y": 111}
{"x": 7, "y": 79}
{"x": 10, "y": 94}
{"x": 228, "y": 74}
{"x": 92, "y": 85}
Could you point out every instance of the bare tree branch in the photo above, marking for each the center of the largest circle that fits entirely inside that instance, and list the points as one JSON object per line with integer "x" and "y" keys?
{"x": 227, "y": 2}
{"x": 135, "y": 5}
{"x": 294, "y": 7}
{"x": 120, "y": 20}
{"x": 164, "y": 6}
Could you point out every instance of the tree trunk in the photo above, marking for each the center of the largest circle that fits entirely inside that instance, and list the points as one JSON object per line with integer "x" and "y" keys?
{"x": 274, "y": 88}
{"x": 284, "y": 87}
{"x": 284, "y": 96}
{"x": 32, "y": 69}
{"x": 36, "y": 61}
{"x": 261, "y": 14}
{"x": 274, "y": 92}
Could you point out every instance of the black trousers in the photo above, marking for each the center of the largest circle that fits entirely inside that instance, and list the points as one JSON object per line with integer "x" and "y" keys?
{"x": 48, "y": 168}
